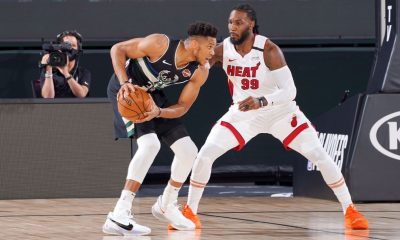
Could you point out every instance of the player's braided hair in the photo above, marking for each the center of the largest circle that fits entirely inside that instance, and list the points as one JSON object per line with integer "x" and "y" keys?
{"x": 251, "y": 13}
{"x": 202, "y": 29}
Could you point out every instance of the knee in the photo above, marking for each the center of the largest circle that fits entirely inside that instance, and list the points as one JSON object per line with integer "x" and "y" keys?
{"x": 191, "y": 151}
{"x": 185, "y": 149}
{"x": 318, "y": 156}
{"x": 204, "y": 159}
{"x": 153, "y": 146}
{"x": 202, "y": 168}
{"x": 149, "y": 143}
{"x": 210, "y": 152}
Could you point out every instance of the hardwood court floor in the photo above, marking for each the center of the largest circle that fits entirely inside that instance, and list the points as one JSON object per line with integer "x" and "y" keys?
{"x": 238, "y": 218}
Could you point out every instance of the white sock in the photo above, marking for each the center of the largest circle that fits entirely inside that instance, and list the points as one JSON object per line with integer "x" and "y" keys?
{"x": 212, "y": 149}
{"x": 170, "y": 194}
{"x": 343, "y": 195}
{"x": 124, "y": 202}
{"x": 194, "y": 196}
{"x": 331, "y": 174}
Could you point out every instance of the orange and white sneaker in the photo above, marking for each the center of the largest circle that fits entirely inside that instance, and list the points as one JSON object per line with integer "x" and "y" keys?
{"x": 354, "y": 219}
{"x": 172, "y": 215}
{"x": 188, "y": 213}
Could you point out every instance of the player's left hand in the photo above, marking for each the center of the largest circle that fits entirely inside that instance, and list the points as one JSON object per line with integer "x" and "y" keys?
{"x": 250, "y": 103}
{"x": 152, "y": 112}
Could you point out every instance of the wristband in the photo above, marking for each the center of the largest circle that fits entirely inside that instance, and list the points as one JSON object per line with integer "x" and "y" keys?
{"x": 127, "y": 81}
{"x": 263, "y": 101}
{"x": 48, "y": 75}
{"x": 68, "y": 78}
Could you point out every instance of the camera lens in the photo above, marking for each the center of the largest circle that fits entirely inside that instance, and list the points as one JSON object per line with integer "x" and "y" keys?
{"x": 57, "y": 59}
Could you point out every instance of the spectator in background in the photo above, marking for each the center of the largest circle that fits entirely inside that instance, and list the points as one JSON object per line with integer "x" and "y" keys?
{"x": 69, "y": 79}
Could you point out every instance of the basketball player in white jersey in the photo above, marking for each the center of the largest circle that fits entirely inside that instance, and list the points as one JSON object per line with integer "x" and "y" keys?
{"x": 263, "y": 94}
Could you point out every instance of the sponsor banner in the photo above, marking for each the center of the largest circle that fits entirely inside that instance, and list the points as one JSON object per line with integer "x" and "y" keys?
{"x": 335, "y": 129}
{"x": 375, "y": 165}
{"x": 363, "y": 138}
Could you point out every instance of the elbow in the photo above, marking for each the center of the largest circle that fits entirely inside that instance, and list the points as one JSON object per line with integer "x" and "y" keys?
{"x": 46, "y": 94}
{"x": 183, "y": 111}
{"x": 81, "y": 94}
{"x": 115, "y": 49}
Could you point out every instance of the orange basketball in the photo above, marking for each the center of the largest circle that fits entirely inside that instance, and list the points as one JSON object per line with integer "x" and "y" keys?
{"x": 135, "y": 105}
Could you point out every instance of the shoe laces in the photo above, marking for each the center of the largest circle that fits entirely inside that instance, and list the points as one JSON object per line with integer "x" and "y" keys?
{"x": 177, "y": 205}
{"x": 130, "y": 215}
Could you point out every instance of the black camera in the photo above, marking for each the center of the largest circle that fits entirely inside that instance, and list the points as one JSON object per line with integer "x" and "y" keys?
{"x": 58, "y": 53}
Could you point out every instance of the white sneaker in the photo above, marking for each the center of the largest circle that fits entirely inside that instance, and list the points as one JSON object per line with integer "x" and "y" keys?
{"x": 172, "y": 215}
{"x": 124, "y": 225}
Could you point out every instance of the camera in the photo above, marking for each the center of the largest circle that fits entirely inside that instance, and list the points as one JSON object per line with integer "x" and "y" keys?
{"x": 58, "y": 53}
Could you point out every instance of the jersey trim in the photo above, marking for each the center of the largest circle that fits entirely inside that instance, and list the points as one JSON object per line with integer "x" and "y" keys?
{"x": 169, "y": 40}
{"x": 293, "y": 135}
{"x": 231, "y": 87}
{"x": 237, "y": 135}
{"x": 146, "y": 71}
{"x": 176, "y": 50}
{"x": 257, "y": 48}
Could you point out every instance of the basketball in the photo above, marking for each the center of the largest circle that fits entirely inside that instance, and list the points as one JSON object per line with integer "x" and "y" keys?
{"x": 135, "y": 105}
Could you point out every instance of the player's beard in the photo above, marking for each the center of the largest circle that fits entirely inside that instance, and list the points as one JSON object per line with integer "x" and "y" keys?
{"x": 242, "y": 38}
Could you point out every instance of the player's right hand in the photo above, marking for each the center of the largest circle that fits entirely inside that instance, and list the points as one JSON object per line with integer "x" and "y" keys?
{"x": 250, "y": 103}
{"x": 126, "y": 89}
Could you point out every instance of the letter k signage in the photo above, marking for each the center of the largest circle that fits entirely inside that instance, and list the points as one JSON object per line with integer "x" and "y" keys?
{"x": 394, "y": 135}
{"x": 389, "y": 127}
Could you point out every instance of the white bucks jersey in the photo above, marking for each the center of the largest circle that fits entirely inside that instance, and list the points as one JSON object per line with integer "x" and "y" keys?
{"x": 247, "y": 75}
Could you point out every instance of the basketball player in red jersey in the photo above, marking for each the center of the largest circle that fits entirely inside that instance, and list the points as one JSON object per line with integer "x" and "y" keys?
{"x": 263, "y": 94}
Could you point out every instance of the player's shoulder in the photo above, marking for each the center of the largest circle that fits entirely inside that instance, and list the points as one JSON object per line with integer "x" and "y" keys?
{"x": 273, "y": 55}
{"x": 218, "y": 54}
{"x": 219, "y": 49}
{"x": 219, "y": 46}
{"x": 270, "y": 46}
{"x": 154, "y": 45}
{"x": 158, "y": 39}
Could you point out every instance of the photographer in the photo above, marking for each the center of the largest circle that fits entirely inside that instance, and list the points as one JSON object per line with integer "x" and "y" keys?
{"x": 60, "y": 74}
